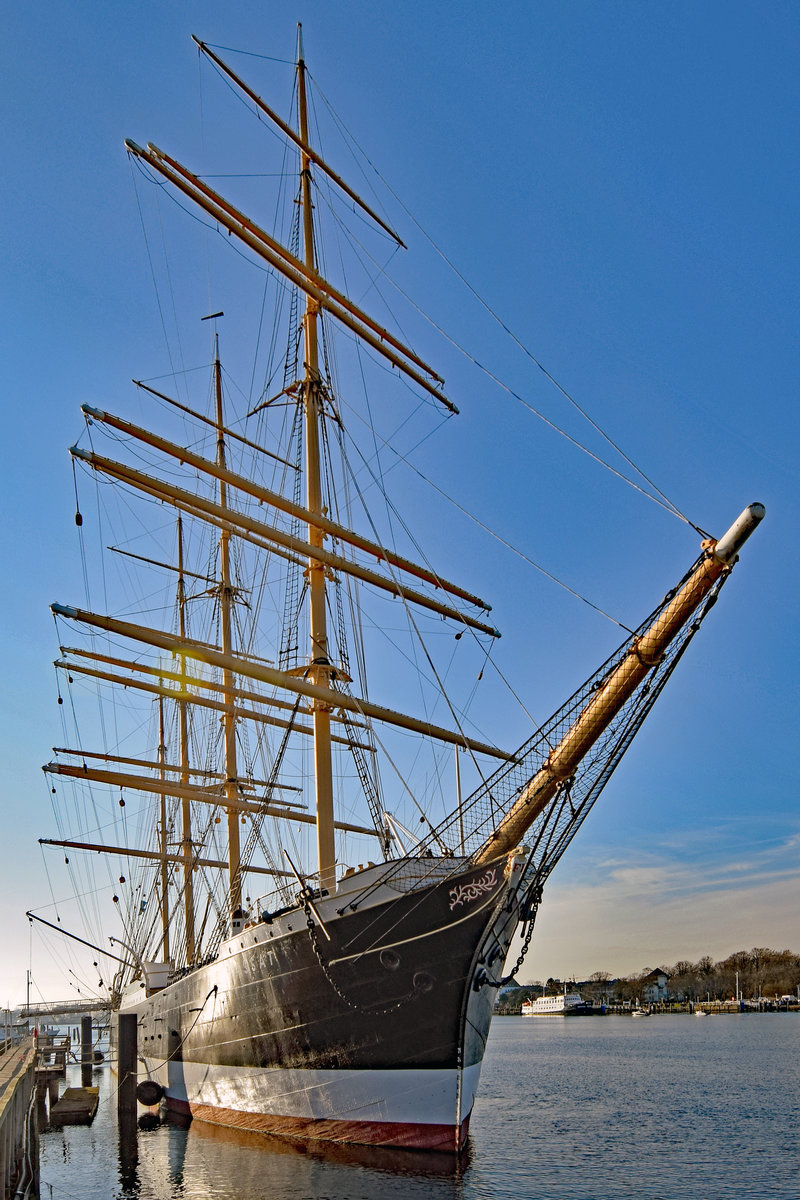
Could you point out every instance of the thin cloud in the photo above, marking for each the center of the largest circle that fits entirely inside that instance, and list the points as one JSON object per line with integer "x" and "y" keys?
{"x": 608, "y": 914}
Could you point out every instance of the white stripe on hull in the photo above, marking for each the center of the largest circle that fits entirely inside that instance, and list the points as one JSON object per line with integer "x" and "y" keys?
{"x": 414, "y": 1097}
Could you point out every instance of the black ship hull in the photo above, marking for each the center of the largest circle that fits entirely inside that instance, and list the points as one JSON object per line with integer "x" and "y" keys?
{"x": 370, "y": 1028}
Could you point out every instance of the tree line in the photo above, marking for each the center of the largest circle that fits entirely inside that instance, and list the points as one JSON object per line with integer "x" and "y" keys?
{"x": 761, "y": 973}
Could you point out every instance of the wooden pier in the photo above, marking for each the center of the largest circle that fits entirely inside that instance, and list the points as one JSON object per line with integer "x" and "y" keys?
{"x": 19, "y": 1150}
{"x": 52, "y": 1055}
{"x": 54, "y": 1051}
{"x": 77, "y": 1105}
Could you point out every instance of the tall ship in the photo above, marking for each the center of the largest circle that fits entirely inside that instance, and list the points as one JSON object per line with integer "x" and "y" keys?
{"x": 309, "y": 892}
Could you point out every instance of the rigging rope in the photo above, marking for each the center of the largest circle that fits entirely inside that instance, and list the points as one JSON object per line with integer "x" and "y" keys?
{"x": 660, "y": 497}
{"x": 476, "y": 521}
{"x": 289, "y": 62}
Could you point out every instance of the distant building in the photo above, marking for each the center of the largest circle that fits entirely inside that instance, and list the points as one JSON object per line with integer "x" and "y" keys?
{"x": 654, "y": 987}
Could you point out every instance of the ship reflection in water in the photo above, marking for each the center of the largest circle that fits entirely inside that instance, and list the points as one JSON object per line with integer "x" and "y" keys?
{"x": 252, "y": 1155}
{"x": 216, "y": 1160}
{"x": 166, "y": 1155}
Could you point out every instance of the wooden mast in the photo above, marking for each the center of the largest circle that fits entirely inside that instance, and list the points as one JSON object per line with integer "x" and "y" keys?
{"x": 202, "y": 795}
{"x": 264, "y": 673}
{"x": 644, "y": 653}
{"x": 225, "y": 593}
{"x": 199, "y": 701}
{"x": 284, "y": 262}
{"x": 162, "y": 758}
{"x": 183, "y": 732}
{"x": 151, "y": 855}
{"x": 290, "y": 133}
{"x": 250, "y": 529}
{"x": 319, "y": 671}
{"x": 185, "y": 455}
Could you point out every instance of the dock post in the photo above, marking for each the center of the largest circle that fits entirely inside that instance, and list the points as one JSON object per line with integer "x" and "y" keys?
{"x": 87, "y": 1053}
{"x": 126, "y": 1102}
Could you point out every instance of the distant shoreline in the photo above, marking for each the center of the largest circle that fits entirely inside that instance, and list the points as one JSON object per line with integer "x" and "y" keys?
{"x": 710, "y": 1008}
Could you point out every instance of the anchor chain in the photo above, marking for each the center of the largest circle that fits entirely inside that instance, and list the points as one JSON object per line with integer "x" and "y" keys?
{"x": 531, "y": 907}
{"x": 353, "y": 1004}
{"x": 521, "y": 958}
{"x": 482, "y": 979}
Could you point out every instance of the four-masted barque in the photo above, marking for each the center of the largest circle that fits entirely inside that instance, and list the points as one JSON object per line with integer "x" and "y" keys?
{"x": 349, "y": 1003}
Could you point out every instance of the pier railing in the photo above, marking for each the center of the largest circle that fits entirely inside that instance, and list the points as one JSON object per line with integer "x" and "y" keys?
{"x": 19, "y": 1153}
{"x": 52, "y": 1009}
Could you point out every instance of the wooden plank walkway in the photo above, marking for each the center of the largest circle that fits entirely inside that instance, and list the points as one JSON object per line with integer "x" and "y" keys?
{"x": 18, "y": 1152}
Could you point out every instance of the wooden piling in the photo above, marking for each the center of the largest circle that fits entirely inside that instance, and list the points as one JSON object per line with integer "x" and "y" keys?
{"x": 126, "y": 1097}
{"x": 87, "y": 1052}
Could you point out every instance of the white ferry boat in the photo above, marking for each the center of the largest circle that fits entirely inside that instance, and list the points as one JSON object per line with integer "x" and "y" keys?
{"x": 568, "y": 1004}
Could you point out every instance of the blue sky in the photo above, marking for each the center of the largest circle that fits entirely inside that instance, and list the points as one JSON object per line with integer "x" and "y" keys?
{"x": 620, "y": 182}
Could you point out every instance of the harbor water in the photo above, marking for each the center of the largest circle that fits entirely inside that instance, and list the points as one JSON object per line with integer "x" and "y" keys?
{"x": 666, "y": 1108}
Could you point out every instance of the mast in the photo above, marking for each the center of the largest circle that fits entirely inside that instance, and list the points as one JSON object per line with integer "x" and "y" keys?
{"x": 162, "y": 758}
{"x": 290, "y": 133}
{"x": 319, "y": 671}
{"x": 184, "y": 455}
{"x": 183, "y": 733}
{"x": 293, "y": 269}
{"x": 644, "y": 653}
{"x": 225, "y": 592}
{"x": 264, "y": 673}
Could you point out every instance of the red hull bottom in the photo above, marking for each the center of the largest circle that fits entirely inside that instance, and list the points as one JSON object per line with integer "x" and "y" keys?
{"x": 407, "y": 1136}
